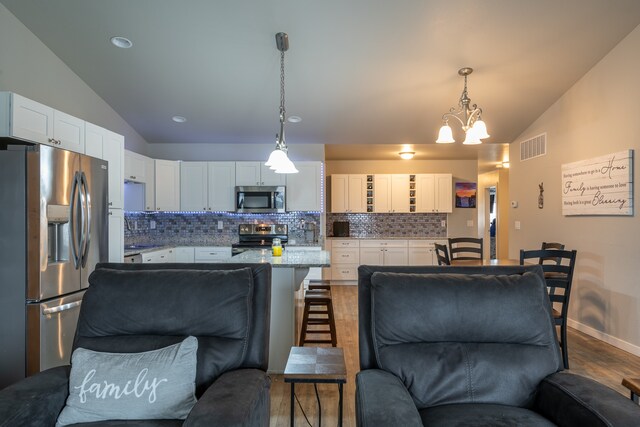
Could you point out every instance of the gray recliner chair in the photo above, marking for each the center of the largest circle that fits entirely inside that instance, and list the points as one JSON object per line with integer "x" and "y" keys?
{"x": 131, "y": 308}
{"x": 469, "y": 346}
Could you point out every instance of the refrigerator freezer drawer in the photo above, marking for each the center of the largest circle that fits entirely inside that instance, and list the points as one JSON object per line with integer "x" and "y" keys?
{"x": 51, "y": 326}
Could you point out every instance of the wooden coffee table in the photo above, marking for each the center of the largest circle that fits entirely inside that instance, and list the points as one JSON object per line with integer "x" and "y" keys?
{"x": 316, "y": 365}
{"x": 633, "y": 384}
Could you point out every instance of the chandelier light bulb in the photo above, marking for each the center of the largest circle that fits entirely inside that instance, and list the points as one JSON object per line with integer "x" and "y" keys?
{"x": 480, "y": 129}
{"x": 276, "y": 158}
{"x": 286, "y": 166}
{"x": 472, "y": 138}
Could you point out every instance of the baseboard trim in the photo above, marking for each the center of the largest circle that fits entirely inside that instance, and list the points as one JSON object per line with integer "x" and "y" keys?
{"x": 609, "y": 339}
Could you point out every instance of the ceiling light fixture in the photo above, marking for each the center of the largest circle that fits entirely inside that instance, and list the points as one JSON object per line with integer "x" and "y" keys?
{"x": 178, "y": 119}
{"x": 278, "y": 159}
{"x": 469, "y": 117}
{"x": 121, "y": 42}
{"x": 407, "y": 155}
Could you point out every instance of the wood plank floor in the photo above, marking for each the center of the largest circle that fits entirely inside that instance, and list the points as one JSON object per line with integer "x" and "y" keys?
{"x": 587, "y": 356}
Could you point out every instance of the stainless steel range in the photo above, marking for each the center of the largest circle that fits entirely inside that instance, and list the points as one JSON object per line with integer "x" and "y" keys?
{"x": 259, "y": 236}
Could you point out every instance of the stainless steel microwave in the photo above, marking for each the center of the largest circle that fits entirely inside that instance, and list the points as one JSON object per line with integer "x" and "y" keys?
{"x": 262, "y": 199}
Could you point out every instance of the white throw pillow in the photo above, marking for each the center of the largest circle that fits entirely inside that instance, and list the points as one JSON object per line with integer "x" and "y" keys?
{"x": 157, "y": 384}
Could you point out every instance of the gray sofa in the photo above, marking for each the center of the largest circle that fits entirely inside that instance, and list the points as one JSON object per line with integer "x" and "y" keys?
{"x": 469, "y": 346}
{"x": 132, "y": 308}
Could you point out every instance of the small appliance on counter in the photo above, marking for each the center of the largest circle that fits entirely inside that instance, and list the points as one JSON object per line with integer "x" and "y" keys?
{"x": 259, "y": 236}
{"x": 340, "y": 229}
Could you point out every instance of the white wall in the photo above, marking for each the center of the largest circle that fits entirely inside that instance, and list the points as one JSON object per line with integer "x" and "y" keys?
{"x": 597, "y": 116}
{"x": 29, "y": 68}
{"x": 462, "y": 170}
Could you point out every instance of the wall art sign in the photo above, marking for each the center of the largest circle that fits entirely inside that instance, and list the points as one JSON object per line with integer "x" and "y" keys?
{"x": 466, "y": 194}
{"x": 599, "y": 186}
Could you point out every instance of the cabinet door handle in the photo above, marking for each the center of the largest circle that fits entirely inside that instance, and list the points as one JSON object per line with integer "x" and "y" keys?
{"x": 110, "y": 213}
{"x": 110, "y": 203}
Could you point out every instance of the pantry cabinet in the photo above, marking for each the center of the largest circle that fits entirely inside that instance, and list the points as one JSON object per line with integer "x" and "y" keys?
{"x": 106, "y": 145}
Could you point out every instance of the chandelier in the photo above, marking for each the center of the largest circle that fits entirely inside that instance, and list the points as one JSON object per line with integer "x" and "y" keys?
{"x": 470, "y": 117}
{"x": 278, "y": 159}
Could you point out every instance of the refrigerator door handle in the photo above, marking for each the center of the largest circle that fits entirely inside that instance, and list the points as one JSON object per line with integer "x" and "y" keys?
{"x": 60, "y": 308}
{"x": 86, "y": 223}
{"x": 73, "y": 227}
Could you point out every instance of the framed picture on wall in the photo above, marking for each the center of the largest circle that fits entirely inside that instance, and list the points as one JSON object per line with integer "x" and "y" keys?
{"x": 466, "y": 193}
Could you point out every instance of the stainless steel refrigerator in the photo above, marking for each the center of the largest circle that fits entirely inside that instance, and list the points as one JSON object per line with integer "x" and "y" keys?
{"x": 53, "y": 231}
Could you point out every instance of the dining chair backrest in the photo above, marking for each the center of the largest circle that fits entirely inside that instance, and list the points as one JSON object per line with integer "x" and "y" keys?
{"x": 558, "y": 277}
{"x": 442, "y": 254}
{"x": 465, "y": 248}
{"x": 551, "y": 245}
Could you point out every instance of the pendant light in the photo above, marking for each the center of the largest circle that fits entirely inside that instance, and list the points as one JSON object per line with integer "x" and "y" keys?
{"x": 278, "y": 159}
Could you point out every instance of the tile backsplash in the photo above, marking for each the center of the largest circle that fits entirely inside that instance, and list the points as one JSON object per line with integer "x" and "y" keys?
{"x": 201, "y": 229}
{"x": 391, "y": 225}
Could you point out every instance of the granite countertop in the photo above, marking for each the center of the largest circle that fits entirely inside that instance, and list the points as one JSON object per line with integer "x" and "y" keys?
{"x": 143, "y": 249}
{"x": 289, "y": 258}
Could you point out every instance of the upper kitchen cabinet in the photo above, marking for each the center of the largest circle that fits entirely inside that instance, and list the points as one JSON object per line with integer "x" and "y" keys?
{"x": 256, "y": 173}
{"x": 109, "y": 146}
{"x": 167, "y": 185}
{"x": 348, "y": 193}
{"x": 34, "y": 122}
{"x": 207, "y": 186}
{"x": 391, "y": 193}
{"x": 150, "y": 185}
{"x": 304, "y": 187}
{"x": 135, "y": 167}
{"x": 434, "y": 193}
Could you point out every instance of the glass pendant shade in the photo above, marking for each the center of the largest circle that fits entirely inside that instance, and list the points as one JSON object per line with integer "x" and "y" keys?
{"x": 276, "y": 159}
{"x": 471, "y": 138}
{"x": 480, "y": 129}
{"x": 445, "y": 136}
{"x": 286, "y": 167}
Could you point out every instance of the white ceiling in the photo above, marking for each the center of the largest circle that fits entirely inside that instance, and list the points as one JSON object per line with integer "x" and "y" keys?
{"x": 365, "y": 73}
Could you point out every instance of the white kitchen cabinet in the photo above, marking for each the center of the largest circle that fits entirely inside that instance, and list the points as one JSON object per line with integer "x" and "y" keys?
{"x": 391, "y": 193}
{"x": 222, "y": 185}
{"x": 256, "y": 173}
{"x": 348, "y": 193}
{"x": 185, "y": 254}
{"x": 345, "y": 258}
{"x": 434, "y": 193}
{"x": 421, "y": 252}
{"x": 212, "y": 253}
{"x": 150, "y": 185}
{"x": 193, "y": 186}
{"x": 207, "y": 186}
{"x": 384, "y": 252}
{"x": 116, "y": 235}
{"x": 135, "y": 168}
{"x": 160, "y": 256}
{"x": 31, "y": 121}
{"x": 304, "y": 188}
{"x": 167, "y": 185}
{"x": 104, "y": 144}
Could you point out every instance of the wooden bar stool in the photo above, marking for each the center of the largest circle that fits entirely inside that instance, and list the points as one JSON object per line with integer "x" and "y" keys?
{"x": 319, "y": 284}
{"x": 318, "y": 310}
{"x": 633, "y": 384}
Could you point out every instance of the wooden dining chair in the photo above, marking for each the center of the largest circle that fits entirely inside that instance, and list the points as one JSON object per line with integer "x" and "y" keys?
{"x": 551, "y": 245}
{"x": 559, "y": 277}
{"x": 442, "y": 254}
{"x": 465, "y": 248}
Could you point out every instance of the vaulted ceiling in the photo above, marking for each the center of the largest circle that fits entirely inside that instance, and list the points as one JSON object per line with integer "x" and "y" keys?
{"x": 360, "y": 73}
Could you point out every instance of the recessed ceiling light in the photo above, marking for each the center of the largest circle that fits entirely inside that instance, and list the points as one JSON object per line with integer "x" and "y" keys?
{"x": 294, "y": 119}
{"x": 178, "y": 119}
{"x": 121, "y": 42}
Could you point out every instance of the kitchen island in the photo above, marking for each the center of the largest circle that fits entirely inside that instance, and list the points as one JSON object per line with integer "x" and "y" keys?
{"x": 289, "y": 270}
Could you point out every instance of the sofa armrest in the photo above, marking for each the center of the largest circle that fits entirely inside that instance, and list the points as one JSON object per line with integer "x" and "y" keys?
{"x": 236, "y": 398}
{"x": 572, "y": 400}
{"x": 383, "y": 400}
{"x": 37, "y": 400}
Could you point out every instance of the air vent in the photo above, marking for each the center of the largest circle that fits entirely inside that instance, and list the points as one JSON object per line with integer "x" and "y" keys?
{"x": 534, "y": 147}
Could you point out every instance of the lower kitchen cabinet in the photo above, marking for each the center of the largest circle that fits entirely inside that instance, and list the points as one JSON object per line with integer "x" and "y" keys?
{"x": 345, "y": 259}
{"x": 384, "y": 252}
{"x": 212, "y": 253}
{"x": 185, "y": 254}
{"x": 160, "y": 256}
